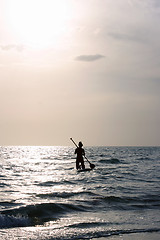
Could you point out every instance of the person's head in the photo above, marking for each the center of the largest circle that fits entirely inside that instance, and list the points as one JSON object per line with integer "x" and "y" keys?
{"x": 80, "y": 144}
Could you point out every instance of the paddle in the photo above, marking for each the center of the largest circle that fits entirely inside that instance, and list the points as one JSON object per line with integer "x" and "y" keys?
{"x": 91, "y": 164}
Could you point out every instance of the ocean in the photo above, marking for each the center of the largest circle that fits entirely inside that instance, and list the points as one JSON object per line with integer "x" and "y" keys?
{"x": 42, "y": 196}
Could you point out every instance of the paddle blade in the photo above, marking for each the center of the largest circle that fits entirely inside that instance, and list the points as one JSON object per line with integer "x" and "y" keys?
{"x": 92, "y": 165}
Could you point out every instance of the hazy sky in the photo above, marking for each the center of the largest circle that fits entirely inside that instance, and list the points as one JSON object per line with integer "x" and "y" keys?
{"x": 87, "y": 69}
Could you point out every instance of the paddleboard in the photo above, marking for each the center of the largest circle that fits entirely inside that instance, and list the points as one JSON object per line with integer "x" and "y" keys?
{"x": 84, "y": 170}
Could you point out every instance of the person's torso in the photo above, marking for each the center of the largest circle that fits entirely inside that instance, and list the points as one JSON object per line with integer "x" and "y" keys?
{"x": 80, "y": 152}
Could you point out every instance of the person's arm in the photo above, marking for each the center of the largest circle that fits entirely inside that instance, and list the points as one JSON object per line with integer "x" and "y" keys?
{"x": 83, "y": 153}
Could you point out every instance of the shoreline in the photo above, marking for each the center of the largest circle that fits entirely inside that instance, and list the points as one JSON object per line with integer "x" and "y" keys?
{"x": 133, "y": 236}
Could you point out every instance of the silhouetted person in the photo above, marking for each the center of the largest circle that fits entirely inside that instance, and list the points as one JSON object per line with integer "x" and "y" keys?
{"x": 80, "y": 153}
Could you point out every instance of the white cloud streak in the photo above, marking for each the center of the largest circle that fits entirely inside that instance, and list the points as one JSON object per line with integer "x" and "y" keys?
{"x": 8, "y": 47}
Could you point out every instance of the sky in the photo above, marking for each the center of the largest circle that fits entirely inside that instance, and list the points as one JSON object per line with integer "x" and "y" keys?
{"x": 86, "y": 69}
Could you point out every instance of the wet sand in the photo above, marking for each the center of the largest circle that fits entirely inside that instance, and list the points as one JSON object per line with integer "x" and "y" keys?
{"x": 133, "y": 236}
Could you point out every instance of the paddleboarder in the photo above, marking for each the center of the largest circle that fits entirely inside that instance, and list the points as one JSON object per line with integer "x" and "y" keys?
{"x": 80, "y": 153}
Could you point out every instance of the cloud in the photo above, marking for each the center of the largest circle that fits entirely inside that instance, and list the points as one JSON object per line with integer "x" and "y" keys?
{"x": 155, "y": 3}
{"x": 8, "y": 47}
{"x": 89, "y": 58}
{"x": 136, "y": 35}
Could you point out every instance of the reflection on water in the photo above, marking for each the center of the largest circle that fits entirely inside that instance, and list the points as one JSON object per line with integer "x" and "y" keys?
{"x": 41, "y": 190}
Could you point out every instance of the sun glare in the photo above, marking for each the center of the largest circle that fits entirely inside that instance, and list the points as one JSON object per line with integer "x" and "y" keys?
{"x": 39, "y": 23}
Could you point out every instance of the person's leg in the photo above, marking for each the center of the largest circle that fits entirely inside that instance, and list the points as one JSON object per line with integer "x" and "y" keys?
{"x": 82, "y": 164}
{"x": 77, "y": 164}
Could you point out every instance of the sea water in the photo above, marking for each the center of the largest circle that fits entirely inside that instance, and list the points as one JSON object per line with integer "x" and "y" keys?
{"x": 42, "y": 196}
